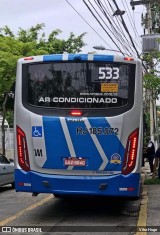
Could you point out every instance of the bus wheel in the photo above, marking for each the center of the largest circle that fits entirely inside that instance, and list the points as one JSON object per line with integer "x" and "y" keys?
{"x": 13, "y": 185}
{"x": 58, "y": 196}
{"x": 62, "y": 196}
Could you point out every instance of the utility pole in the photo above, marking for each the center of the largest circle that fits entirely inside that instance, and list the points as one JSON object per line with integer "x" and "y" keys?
{"x": 152, "y": 99}
{"x": 148, "y": 22}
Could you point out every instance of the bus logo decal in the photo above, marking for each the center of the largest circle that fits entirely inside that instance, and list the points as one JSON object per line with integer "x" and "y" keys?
{"x": 115, "y": 158}
{"x": 36, "y": 131}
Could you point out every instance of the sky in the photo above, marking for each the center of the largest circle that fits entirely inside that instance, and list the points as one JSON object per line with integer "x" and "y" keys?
{"x": 58, "y": 14}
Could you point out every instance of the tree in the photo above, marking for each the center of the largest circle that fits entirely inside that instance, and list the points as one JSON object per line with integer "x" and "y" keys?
{"x": 152, "y": 78}
{"x": 27, "y": 43}
{"x": 152, "y": 89}
{"x": 7, "y": 74}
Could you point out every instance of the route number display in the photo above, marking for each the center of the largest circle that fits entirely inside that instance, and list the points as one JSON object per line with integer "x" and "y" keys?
{"x": 108, "y": 73}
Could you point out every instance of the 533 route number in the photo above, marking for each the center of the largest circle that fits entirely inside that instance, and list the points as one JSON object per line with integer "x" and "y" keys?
{"x": 108, "y": 73}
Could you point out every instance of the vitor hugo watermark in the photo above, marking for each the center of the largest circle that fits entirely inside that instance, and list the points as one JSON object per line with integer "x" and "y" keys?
{"x": 148, "y": 229}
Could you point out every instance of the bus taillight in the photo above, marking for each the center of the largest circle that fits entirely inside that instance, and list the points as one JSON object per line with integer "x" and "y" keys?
{"x": 76, "y": 113}
{"x": 23, "y": 157}
{"x": 131, "y": 153}
{"x": 128, "y": 58}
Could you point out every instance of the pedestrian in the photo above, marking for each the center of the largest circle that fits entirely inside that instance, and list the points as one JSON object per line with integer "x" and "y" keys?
{"x": 144, "y": 156}
{"x": 157, "y": 162}
{"x": 150, "y": 154}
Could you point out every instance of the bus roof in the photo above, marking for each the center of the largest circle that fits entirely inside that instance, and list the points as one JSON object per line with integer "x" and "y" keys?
{"x": 79, "y": 57}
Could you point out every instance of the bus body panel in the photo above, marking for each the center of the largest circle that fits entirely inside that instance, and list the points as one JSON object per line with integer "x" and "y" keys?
{"x": 52, "y": 139}
{"x": 79, "y": 185}
{"x": 49, "y": 151}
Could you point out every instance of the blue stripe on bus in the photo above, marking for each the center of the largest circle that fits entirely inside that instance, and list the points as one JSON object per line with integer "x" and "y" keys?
{"x": 56, "y": 145}
{"x": 103, "y": 58}
{"x": 110, "y": 144}
{"x": 83, "y": 57}
{"x": 84, "y": 146}
{"x": 78, "y": 57}
{"x": 52, "y": 58}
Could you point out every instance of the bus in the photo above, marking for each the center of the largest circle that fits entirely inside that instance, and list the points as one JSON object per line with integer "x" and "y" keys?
{"x": 79, "y": 125}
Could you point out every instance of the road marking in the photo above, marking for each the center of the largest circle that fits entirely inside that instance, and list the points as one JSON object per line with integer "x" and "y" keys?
{"x": 142, "y": 219}
{"x": 20, "y": 213}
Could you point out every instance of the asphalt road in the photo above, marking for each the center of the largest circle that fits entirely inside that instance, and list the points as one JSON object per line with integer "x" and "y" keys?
{"x": 88, "y": 215}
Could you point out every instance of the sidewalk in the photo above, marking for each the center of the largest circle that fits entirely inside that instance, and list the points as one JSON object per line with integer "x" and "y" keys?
{"x": 153, "y": 200}
{"x": 146, "y": 171}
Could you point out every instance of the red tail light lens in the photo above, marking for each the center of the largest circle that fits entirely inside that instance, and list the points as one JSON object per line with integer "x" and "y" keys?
{"x": 75, "y": 113}
{"x": 23, "y": 157}
{"x": 29, "y": 58}
{"x": 131, "y": 153}
{"x": 128, "y": 58}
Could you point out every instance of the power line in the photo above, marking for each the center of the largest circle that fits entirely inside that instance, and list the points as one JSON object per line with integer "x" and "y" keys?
{"x": 119, "y": 22}
{"x": 89, "y": 24}
{"x": 126, "y": 28}
{"x": 121, "y": 37}
{"x": 128, "y": 43}
{"x": 132, "y": 21}
{"x": 102, "y": 26}
{"x": 104, "y": 21}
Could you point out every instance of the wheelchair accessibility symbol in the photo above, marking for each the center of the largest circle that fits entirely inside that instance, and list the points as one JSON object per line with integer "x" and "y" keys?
{"x": 36, "y": 131}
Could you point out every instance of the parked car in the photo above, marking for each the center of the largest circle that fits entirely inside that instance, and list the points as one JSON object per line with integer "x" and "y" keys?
{"x": 6, "y": 171}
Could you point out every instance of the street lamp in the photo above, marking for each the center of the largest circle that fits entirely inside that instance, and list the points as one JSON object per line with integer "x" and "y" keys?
{"x": 103, "y": 48}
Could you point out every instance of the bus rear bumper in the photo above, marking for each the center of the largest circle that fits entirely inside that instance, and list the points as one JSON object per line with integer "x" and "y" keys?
{"x": 116, "y": 185}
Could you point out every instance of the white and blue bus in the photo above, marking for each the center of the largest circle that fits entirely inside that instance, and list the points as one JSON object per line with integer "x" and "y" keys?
{"x": 78, "y": 125}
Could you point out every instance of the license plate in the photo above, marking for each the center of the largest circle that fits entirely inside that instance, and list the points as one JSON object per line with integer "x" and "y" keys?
{"x": 74, "y": 162}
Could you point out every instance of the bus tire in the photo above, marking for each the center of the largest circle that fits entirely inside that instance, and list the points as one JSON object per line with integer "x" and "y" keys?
{"x": 58, "y": 196}
{"x": 13, "y": 185}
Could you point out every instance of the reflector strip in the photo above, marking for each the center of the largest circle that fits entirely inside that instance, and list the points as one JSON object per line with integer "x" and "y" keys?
{"x": 122, "y": 189}
{"x": 126, "y": 189}
{"x": 27, "y": 184}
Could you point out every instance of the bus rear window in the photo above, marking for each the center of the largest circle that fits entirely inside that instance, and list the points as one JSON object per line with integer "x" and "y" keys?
{"x": 79, "y": 84}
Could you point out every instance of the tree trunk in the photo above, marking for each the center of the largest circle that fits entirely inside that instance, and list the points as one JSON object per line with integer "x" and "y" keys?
{"x": 3, "y": 120}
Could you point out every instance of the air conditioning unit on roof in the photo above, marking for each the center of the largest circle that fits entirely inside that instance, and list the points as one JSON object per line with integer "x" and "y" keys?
{"x": 150, "y": 42}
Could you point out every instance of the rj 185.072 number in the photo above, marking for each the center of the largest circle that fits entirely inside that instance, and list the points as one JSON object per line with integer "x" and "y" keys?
{"x": 97, "y": 131}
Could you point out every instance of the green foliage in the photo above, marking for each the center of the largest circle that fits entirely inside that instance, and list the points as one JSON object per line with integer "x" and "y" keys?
{"x": 10, "y": 118}
{"x": 6, "y": 32}
{"x": 155, "y": 6}
{"x": 7, "y": 71}
{"x": 31, "y": 34}
{"x": 30, "y": 42}
{"x": 27, "y": 43}
{"x": 146, "y": 127}
{"x": 152, "y": 82}
{"x": 73, "y": 44}
{"x": 152, "y": 78}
